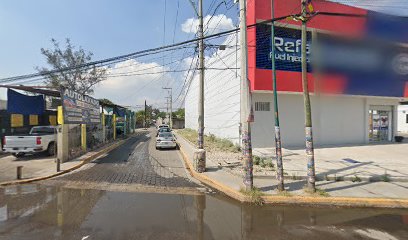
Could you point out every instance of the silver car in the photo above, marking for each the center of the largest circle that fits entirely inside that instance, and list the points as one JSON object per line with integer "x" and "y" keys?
{"x": 166, "y": 140}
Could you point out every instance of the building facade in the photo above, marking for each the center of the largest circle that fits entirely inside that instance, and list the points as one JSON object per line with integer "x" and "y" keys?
{"x": 355, "y": 96}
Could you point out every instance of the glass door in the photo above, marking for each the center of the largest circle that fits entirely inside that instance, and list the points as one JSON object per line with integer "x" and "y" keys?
{"x": 379, "y": 125}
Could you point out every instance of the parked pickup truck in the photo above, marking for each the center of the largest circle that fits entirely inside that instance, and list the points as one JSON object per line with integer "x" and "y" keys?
{"x": 40, "y": 139}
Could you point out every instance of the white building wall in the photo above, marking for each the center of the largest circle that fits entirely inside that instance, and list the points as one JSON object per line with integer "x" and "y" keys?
{"x": 336, "y": 119}
{"x": 402, "y": 118}
{"x": 222, "y": 100}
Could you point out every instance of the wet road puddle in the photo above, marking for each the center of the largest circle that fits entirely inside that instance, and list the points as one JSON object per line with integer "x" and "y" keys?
{"x": 50, "y": 212}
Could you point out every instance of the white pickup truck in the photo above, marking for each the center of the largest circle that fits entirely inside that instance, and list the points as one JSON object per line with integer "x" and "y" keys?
{"x": 40, "y": 139}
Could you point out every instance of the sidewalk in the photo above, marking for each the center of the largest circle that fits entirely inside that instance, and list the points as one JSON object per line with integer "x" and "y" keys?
{"x": 38, "y": 167}
{"x": 342, "y": 193}
{"x": 370, "y": 162}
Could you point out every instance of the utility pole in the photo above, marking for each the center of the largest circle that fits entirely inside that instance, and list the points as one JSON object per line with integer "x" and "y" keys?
{"x": 145, "y": 114}
{"x": 199, "y": 155}
{"x": 246, "y": 103}
{"x": 171, "y": 105}
{"x": 201, "y": 83}
{"x": 311, "y": 178}
{"x": 278, "y": 143}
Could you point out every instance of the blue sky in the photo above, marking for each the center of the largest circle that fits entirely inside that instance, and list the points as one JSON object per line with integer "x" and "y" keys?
{"x": 105, "y": 27}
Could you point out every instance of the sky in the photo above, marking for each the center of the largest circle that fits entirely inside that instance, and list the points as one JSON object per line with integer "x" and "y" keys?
{"x": 106, "y": 28}
{"x": 114, "y": 27}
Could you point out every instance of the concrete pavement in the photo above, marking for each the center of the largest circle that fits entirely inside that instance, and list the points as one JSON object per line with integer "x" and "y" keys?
{"x": 42, "y": 166}
{"x": 344, "y": 193}
{"x": 372, "y": 162}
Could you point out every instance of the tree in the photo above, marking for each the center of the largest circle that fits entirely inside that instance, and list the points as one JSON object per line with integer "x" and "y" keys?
{"x": 105, "y": 101}
{"x": 180, "y": 113}
{"x": 82, "y": 80}
{"x": 156, "y": 113}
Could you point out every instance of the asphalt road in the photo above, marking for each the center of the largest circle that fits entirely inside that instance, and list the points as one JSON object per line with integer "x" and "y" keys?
{"x": 135, "y": 162}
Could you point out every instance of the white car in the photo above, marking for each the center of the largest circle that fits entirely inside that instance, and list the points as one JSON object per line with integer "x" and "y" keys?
{"x": 166, "y": 140}
{"x": 40, "y": 139}
{"x": 162, "y": 126}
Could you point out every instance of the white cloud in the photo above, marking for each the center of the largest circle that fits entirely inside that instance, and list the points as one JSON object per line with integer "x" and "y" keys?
{"x": 129, "y": 83}
{"x": 217, "y": 24}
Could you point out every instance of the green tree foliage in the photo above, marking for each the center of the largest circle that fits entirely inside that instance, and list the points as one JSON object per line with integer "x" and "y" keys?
{"x": 180, "y": 113}
{"x": 82, "y": 80}
{"x": 105, "y": 101}
{"x": 156, "y": 113}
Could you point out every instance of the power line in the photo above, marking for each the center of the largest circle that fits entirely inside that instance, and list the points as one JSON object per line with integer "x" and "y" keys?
{"x": 152, "y": 50}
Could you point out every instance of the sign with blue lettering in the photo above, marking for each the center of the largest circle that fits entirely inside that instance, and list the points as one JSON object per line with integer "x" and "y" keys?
{"x": 79, "y": 108}
{"x": 287, "y": 49}
{"x": 367, "y": 67}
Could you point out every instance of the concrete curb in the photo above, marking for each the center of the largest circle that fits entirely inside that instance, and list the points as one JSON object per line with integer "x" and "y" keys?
{"x": 296, "y": 200}
{"x": 340, "y": 178}
{"x": 83, "y": 162}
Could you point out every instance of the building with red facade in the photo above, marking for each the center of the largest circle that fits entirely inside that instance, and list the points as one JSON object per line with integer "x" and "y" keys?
{"x": 357, "y": 73}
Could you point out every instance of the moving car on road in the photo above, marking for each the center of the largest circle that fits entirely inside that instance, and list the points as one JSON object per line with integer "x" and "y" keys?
{"x": 40, "y": 139}
{"x": 166, "y": 140}
{"x": 162, "y": 126}
{"x": 162, "y": 130}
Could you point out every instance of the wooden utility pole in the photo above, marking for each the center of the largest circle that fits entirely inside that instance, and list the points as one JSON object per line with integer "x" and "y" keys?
{"x": 246, "y": 103}
{"x": 278, "y": 143}
{"x": 311, "y": 178}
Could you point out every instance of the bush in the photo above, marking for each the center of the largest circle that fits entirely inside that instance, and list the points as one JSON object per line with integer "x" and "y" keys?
{"x": 263, "y": 163}
{"x": 210, "y": 141}
{"x": 255, "y": 195}
{"x": 269, "y": 163}
{"x": 256, "y": 160}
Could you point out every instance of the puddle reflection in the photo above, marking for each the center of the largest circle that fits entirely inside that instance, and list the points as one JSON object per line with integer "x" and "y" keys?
{"x": 40, "y": 212}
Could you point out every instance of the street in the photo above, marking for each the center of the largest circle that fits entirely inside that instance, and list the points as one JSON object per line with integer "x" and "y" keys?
{"x": 135, "y": 163}
{"x": 138, "y": 192}
{"x": 238, "y": 119}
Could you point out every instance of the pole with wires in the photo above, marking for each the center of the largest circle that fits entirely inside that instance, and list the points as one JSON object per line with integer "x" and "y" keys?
{"x": 311, "y": 178}
{"x": 246, "y": 103}
{"x": 145, "y": 115}
{"x": 199, "y": 155}
{"x": 278, "y": 143}
{"x": 171, "y": 106}
{"x": 201, "y": 79}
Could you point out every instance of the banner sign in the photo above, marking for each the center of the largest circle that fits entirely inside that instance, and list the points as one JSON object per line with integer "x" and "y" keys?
{"x": 287, "y": 48}
{"x": 24, "y": 104}
{"x": 360, "y": 66}
{"x": 79, "y": 108}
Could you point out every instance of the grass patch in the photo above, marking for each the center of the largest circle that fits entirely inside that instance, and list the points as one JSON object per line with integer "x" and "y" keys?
{"x": 385, "y": 178}
{"x": 255, "y": 195}
{"x": 210, "y": 141}
{"x": 256, "y": 160}
{"x": 356, "y": 178}
{"x": 319, "y": 192}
